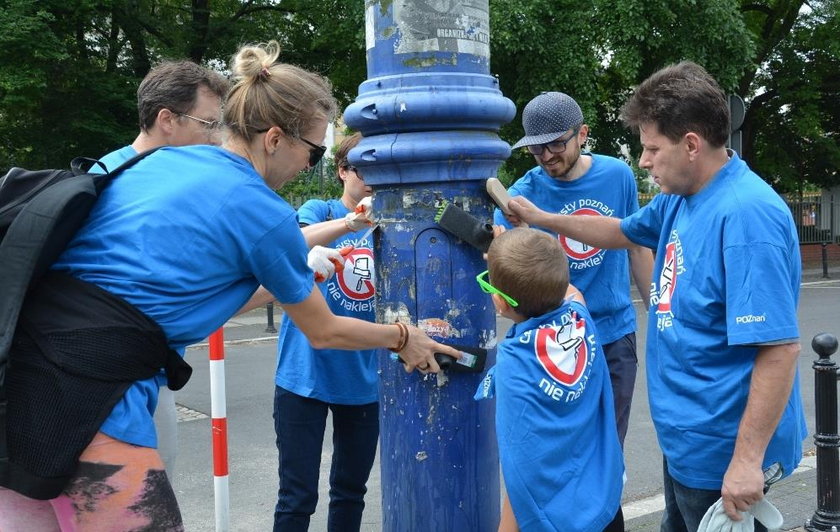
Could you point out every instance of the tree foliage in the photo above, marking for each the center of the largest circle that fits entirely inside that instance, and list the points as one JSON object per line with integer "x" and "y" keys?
{"x": 792, "y": 126}
{"x": 69, "y": 69}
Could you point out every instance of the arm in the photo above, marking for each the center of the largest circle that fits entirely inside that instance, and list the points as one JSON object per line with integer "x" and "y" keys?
{"x": 641, "y": 268}
{"x": 574, "y": 294}
{"x": 260, "y": 298}
{"x": 770, "y": 387}
{"x": 324, "y": 233}
{"x": 325, "y": 330}
{"x": 507, "y": 523}
{"x": 599, "y": 231}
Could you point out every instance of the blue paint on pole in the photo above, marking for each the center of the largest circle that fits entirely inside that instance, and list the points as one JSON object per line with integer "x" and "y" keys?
{"x": 430, "y": 112}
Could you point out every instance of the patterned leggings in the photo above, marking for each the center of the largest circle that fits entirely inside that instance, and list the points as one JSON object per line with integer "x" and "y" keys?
{"x": 118, "y": 486}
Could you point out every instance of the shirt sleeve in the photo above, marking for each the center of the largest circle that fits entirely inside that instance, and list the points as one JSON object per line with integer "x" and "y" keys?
{"x": 313, "y": 211}
{"x": 760, "y": 294}
{"x": 278, "y": 261}
{"x": 644, "y": 226}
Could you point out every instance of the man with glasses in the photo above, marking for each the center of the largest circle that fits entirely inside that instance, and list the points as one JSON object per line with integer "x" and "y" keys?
{"x": 569, "y": 180}
{"x": 179, "y": 103}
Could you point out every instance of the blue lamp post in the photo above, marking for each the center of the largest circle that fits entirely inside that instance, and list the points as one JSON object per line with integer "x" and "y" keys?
{"x": 430, "y": 112}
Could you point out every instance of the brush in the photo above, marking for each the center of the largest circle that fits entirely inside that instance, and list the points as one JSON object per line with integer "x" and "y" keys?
{"x": 464, "y": 225}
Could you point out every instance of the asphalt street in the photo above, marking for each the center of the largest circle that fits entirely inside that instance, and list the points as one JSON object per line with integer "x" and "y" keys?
{"x": 249, "y": 372}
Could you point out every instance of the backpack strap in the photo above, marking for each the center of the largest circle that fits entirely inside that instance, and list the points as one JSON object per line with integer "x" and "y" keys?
{"x": 101, "y": 180}
{"x": 82, "y": 165}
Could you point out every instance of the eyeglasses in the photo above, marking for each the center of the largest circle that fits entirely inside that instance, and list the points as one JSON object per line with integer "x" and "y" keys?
{"x": 315, "y": 152}
{"x": 490, "y": 289}
{"x": 556, "y": 147}
{"x": 356, "y": 171}
{"x": 208, "y": 124}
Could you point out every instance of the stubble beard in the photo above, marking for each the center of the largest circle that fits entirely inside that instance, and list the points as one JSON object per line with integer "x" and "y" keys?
{"x": 564, "y": 175}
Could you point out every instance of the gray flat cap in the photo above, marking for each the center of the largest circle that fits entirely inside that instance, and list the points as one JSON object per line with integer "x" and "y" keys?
{"x": 547, "y": 117}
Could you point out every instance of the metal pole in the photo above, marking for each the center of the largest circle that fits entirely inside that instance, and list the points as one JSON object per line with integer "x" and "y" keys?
{"x": 269, "y": 314}
{"x": 430, "y": 112}
{"x": 218, "y": 415}
{"x": 827, "y": 440}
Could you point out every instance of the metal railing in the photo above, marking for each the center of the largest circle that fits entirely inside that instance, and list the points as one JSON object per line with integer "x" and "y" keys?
{"x": 816, "y": 215}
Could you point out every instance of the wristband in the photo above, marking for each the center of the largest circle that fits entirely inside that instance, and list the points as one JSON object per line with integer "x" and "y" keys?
{"x": 403, "y": 340}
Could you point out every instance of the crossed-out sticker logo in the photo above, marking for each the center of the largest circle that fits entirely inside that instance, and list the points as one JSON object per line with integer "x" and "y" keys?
{"x": 563, "y": 352}
{"x": 672, "y": 268}
{"x": 353, "y": 287}
{"x": 582, "y": 255}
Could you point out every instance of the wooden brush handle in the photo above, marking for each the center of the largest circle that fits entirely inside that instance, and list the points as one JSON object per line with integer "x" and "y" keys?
{"x": 500, "y": 195}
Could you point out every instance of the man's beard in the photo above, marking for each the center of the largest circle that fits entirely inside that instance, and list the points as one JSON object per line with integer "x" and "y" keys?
{"x": 569, "y": 168}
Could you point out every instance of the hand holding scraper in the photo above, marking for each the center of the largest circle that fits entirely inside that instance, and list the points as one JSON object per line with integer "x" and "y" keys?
{"x": 501, "y": 197}
{"x": 326, "y": 261}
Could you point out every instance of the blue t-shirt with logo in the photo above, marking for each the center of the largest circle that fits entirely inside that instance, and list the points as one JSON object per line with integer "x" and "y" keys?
{"x": 726, "y": 278}
{"x": 334, "y": 376}
{"x": 555, "y": 423}
{"x": 186, "y": 236}
{"x": 608, "y": 188}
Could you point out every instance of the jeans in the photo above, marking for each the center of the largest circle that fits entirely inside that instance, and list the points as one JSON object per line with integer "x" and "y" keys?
{"x": 685, "y": 507}
{"x": 622, "y": 362}
{"x": 299, "y": 423}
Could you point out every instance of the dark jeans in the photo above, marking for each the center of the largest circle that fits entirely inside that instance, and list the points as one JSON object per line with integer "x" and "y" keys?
{"x": 685, "y": 507}
{"x": 622, "y": 361}
{"x": 299, "y": 423}
{"x": 617, "y": 524}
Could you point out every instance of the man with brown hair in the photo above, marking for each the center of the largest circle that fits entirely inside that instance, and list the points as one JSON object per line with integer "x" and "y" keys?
{"x": 179, "y": 103}
{"x": 723, "y": 338}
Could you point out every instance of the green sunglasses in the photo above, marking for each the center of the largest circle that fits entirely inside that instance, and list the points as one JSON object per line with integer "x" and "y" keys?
{"x": 490, "y": 289}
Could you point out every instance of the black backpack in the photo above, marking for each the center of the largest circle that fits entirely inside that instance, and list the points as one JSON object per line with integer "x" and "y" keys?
{"x": 40, "y": 212}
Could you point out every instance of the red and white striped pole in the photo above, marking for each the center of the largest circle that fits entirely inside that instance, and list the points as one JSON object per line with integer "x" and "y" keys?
{"x": 218, "y": 413}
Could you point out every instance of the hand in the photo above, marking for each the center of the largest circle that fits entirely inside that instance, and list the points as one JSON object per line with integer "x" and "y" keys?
{"x": 523, "y": 211}
{"x": 743, "y": 486}
{"x": 361, "y": 216}
{"x": 497, "y": 230}
{"x": 419, "y": 352}
{"x": 324, "y": 262}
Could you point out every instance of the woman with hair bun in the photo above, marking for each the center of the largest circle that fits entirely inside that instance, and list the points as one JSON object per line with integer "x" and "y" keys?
{"x": 173, "y": 248}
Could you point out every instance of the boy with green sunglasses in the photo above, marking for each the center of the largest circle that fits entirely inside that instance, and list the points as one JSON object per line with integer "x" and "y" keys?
{"x": 555, "y": 421}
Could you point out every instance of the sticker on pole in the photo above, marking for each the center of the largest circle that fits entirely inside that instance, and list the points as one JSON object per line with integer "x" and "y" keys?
{"x": 460, "y": 26}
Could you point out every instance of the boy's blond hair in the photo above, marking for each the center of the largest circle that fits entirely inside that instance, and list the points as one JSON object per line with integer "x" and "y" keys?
{"x": 531, "y": 267}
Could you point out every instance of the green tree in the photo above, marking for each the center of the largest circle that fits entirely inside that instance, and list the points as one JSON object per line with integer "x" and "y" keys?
{"x": 69, "y": 70}
{"x": 793, "y": 116}
{"x": 597, "y": 52}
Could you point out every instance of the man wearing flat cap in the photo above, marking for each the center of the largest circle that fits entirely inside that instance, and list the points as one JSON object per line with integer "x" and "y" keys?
{"x": 570, "y": 180}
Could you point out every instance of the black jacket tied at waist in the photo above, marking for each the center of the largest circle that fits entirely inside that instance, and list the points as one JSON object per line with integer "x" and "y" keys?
{"x": 76, "y": 350}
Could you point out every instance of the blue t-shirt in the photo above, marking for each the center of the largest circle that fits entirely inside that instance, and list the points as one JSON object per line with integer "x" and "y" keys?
{"x": 114, "y": 159}
{"x": 555, "y": 423}
{"x": 726, "y": 278}
{"x": 186, "y": 236}
{"x": 608, "y": 188}
{"x": 332, "y": 375}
